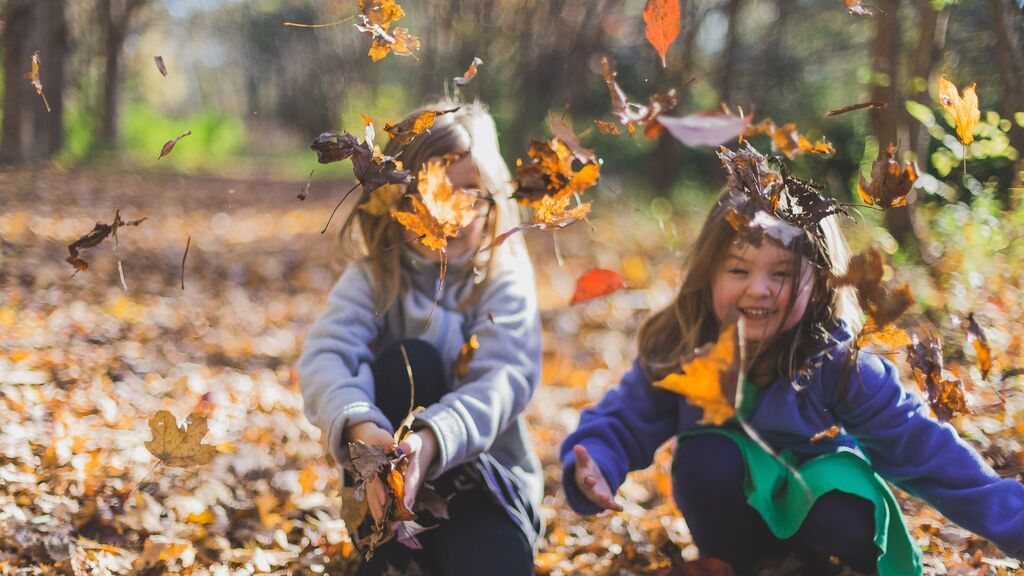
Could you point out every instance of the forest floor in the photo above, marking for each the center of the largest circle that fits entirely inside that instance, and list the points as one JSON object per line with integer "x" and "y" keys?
{"x": 84, "y": 364}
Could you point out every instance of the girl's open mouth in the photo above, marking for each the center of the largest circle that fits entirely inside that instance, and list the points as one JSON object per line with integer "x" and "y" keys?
{"x": 757, "y": 313}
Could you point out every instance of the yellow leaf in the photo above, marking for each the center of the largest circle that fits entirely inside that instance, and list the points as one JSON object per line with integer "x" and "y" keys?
{"x": 964, "y": 110}
{"x": 439, "y": 211}
{"x": 384, "y": 199}
{"x": 176, "y": 446}
{"x": 706, "y": 377}
{"x": 466, "y": 354}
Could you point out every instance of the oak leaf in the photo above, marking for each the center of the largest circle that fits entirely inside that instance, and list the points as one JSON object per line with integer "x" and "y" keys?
{"x": 963, "y": 109}
{"x": 179, "y": 446}
{"x": 709, "y": 379}
{"x": 664, "y": 23}
{"x": 889, "y": 184}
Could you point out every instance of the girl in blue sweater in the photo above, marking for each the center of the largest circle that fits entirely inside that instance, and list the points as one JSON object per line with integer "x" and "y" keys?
{"x": 740, "y": 503}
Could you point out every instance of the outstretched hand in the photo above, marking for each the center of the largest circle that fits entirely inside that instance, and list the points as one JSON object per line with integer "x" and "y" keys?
{"x": 592, "y": 482}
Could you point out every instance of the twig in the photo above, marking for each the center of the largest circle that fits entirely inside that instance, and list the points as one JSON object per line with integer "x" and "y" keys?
{"x": 141, "y": 480}
{"x": 324, "y": 25}
{"x": 412, "y": 382}
{"x": 187, "y": 244}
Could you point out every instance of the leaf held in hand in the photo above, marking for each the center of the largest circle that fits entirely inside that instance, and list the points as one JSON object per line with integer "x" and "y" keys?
{"x": 179, "y": 446}
{"x": 709, "y": 378}
{"x": 664, "y": 23}
{"x": 964, "y": 110}
{"x": 597, "y": 283}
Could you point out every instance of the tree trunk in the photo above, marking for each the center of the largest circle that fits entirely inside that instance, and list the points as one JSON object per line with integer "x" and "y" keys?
{"x": 1007, "y": 22}
{"x": 29, "y": 132}
{"x": 884, "y": 122}
{"x": 115, "y": 17}
{"x": 727, "y": 79}
{"x": 931, "y": 41}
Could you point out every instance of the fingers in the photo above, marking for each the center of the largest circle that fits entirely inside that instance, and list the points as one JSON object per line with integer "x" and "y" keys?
{"x": 592, "y": 482}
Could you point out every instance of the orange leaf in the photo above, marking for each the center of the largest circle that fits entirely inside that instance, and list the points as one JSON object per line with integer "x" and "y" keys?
{"x": 945, "y": 396}
{"x": 976, "y": 336}
{"x": 466, "y": 354}
{"x": 793, "y": 144}
{"x": 396, "y": 481}
{"x": 414, "y": 125}
{"x": 964, "y": 110}
{"x": 469, "y": 74}
{"x": 596, "y": 283}
{"x": 663, "y": 24}
{"x": 33, "y": 77}
{"x": 831, "y": 432}
{"x": 708, "y": 377}
{"x": 889, "y": 185}
{"x": 605, "y": 127}
{"x": 857, "y": 9}
{"x": 880, "y": 304}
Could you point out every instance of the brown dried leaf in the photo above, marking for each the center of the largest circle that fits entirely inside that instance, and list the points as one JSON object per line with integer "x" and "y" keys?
{"x": 564, "y": 132}
{"x": 179, "y": 446}
{"x": 159, "y": 60}
{"x": 414, "y": 125}
{"x": 889, "y": 185}
{"x": 629, "y": 113}
{"x": 945, "y": 396}
{"x": 98, "y": 234}
{"x": 169, "y": 145}
{"x": 33, "y": 77}
{"x": 976, "y": 337}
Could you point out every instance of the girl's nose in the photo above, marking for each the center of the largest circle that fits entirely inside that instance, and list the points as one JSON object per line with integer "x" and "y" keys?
{"x": 760, "y": 286}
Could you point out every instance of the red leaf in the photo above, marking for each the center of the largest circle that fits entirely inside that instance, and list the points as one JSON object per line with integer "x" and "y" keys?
{"x": 663, "y": 24}
{"x": 596, "y": 283}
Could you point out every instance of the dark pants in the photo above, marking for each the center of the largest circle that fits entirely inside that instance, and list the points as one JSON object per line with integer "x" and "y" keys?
{"x": 479, "y": 537}
{"x": 708, "y": 475}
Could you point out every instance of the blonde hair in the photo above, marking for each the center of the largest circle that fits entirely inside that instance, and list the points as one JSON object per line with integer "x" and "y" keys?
{"x": 379, "y": 240}
{"x": 670, "y": 336}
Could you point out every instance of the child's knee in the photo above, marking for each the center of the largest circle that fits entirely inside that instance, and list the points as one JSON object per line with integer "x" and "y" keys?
{"x": 708, "y": 465}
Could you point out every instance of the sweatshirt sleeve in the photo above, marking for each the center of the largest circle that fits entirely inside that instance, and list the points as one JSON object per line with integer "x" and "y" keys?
{"x": 501, "y": 378}
{"x": 621, "y": 434}
{"x": 927, "y": 458}
{"x": 334, "y": 368}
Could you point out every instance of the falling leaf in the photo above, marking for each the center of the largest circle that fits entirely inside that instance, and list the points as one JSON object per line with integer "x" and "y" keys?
{"x": 792, "y": 144}
{"x": 469, "y": 74}
{"x": 859, "y": 106}
{"x": 549, "y": 173}
{"x": 976, "y": 336}
{"x": 946, "y": 396}
{"x": 705, "y": 128}
{"x": 33, "y": 76}
{"x": 375, "y": 20}
{"x": 414, "y": 125}
{"x": 855, "y": 8}
{"x": 466, "y": 354}
{"x": 179, "y": 446}
{"x": 305, "y": 188}
{"x": 763, "y": 225}
{"x": 664, "y": 23}
{"x": 889, "y": 184}
{"x": 159, "y": 60}
{"x": 888, "y": 338}
{"x": 831, "y": 432}
{"x": 709, "y": 378}
{"x": 98, "y": 234}
{"x": 964, "y": 110}
{"x": 369, "y": 133}
{"x": 371, "y": 169}
{"x": 564, "y": 133}
{"x": 169, "y": 145}
{"x": 605, "y": 127}
{"x": 596, "y": 283}
{"x": 865, "y": 272}
{"x": 383, "y": 200}
{"x": 630, "y": 113}
{"x": 439, "y": 210}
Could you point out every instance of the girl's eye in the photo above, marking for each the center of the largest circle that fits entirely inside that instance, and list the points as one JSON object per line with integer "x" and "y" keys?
{"x": 737, "y": 271}
{"x": 783, "y": 274}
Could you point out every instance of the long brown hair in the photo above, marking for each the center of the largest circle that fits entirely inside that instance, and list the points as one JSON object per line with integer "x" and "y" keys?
{"x": 379, "y": 240}
{"x": 670, "y": 336}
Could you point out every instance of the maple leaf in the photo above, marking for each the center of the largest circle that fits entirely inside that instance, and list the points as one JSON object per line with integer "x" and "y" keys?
{"x": 383, "y": 200}
{"x": 99, "y": 233}
{"x": 865, "y": 272}
{"x": 470, "y": 72}
{"x": 945, "y": 396}
{"x": 369, "y": 460}
{"x": 414, "y": 125}
{"x": 549, "y": 173}
{"x": 889, "y": 185}
{"x": 629, "y": 113}
{"x": 371, "y": 168}
{"x": 596, "y": 283}
{"x": 964, "y": 110}
{"x": 169, "y": 145}
{"x": 466, "y": 354}
{"x": 439, "y": 211}
{"x": 181, "y": 447}
{"x": 565, "y": 134}
{"x": 709, "y": 379}
{"x": 664, "y": 23}
{"x": 33, "y": 77}
{"x": 976, "y": 337}
{"x": 159, "y": 60}
{"x": 375, "y": 20}
{"x": 705, "y": 128}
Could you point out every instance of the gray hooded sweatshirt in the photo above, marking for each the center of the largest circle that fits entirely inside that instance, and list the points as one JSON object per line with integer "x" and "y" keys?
{"x": 481, "y": 415}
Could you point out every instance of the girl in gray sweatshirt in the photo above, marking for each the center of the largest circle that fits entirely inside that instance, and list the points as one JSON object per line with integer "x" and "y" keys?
{"x": 470, "y": 442}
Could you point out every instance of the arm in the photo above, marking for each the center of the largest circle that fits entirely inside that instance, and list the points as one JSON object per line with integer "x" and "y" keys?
{"x": 620, "y": 434}
{"x": 928, "y": 458}
{"x": 334, "y": 369}
{"x": 501, "y": 378}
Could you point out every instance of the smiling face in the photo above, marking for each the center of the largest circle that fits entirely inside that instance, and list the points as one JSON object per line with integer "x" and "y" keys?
{"x": 464, "y": 175}
{"x": 758, "y": 284}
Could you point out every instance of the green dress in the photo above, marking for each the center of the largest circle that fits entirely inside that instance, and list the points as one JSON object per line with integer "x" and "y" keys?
{"x": 784, "y": 502}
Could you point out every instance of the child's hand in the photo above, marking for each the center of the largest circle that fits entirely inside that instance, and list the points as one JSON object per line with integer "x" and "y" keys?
{"x": 370, "y": 433}
{"x": 421, "y": 447}
{"x": 592, "y": 482}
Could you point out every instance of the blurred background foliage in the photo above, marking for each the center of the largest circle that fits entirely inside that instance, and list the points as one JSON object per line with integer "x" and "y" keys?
{"x": 254, "y": 93}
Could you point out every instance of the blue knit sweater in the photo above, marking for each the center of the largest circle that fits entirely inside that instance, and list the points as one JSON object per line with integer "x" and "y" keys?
{"x": 877, "y": 416}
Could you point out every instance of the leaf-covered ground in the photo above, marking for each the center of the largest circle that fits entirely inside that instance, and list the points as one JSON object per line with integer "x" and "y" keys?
{"x": 84, "y": 364}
